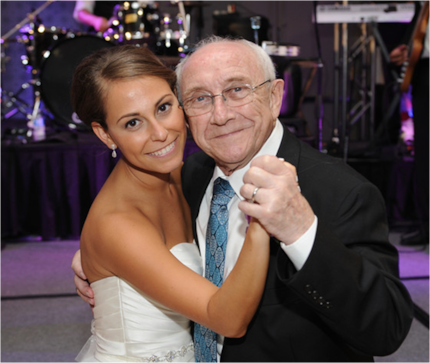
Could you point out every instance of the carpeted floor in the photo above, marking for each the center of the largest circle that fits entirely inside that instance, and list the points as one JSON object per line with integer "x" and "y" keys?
{"x": 414, "y": 271}
{"x": 43, "y": 320}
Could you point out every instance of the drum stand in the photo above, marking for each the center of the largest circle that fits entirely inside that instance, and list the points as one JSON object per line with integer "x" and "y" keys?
{"x": 35, "y": 115}
{"x": 21, "y": 106}
{"x": 255, "y": 25}
{"x": 12, "y": 99}
{"x": 2, "y": 69}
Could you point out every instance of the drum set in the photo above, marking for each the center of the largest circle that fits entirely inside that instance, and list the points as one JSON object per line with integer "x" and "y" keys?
{"x": 136, "y": 23}
{"x": 53, "y": 53}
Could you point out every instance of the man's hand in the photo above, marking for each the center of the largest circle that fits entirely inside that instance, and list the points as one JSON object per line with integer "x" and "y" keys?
{"x": 399, "y": 55}
{"x": 278, "y": 203}
{"x": 82, "y": 286}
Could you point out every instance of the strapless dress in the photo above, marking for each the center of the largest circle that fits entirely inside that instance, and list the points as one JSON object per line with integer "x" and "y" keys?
{"x": 130, "y": 326}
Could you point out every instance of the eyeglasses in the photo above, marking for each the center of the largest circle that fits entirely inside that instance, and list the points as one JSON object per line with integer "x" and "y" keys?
{"x": 235, "y": 96}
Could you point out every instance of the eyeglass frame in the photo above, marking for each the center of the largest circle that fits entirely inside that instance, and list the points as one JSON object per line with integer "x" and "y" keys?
{"x": 224, "y": 97}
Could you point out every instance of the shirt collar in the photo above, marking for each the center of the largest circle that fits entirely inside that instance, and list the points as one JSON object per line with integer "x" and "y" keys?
{"x": 270, "y": 147}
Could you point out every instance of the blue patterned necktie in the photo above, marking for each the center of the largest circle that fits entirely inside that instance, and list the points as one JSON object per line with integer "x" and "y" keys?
{"x": 205, "y": 340}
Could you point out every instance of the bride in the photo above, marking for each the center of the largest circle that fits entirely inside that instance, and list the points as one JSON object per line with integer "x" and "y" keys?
{"x": 137, "y": 246}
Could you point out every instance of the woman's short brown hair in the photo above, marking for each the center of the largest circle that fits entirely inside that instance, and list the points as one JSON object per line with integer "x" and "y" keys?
{"x": 92, "y": 77}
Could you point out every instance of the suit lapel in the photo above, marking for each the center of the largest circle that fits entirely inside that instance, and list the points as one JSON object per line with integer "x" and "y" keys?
{"x": 197, "y": 184}
{"x": 290, "y": 148}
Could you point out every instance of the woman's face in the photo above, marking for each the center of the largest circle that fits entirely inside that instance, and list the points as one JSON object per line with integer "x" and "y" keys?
{"x": 146, "y": 123}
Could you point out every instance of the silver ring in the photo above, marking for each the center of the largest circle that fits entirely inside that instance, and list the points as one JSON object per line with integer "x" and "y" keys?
{"x": 254, "y": 194}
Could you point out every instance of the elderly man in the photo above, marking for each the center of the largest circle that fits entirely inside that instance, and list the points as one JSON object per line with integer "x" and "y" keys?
{"x": 332, "y": 291}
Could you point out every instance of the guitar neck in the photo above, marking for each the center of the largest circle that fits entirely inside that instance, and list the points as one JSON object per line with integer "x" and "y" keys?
{"x": 420, "y": 25}
{"x": 415, "y": 48}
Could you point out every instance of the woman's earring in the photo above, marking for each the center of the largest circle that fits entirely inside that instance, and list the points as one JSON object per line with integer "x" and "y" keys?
{"x": 113, "y": 150}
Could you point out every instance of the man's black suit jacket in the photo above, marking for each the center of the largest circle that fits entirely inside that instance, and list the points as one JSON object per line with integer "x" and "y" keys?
{"x": 346, "y": 303}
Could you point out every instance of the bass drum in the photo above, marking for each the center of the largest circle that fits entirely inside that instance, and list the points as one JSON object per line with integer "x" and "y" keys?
{"x": 57, "y": 73}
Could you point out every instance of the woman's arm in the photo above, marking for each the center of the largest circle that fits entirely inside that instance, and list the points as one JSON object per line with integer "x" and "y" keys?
{"x": 239, "y": 296}
{"x": 135, "y": 251}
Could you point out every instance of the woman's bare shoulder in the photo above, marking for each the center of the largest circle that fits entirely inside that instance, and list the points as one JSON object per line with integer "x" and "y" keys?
{"x": 108, "y": 237}
{"x": 117, "y": 223}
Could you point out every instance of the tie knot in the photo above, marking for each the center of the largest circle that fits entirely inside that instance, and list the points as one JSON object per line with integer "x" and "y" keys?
{"x": 222, "y": 192}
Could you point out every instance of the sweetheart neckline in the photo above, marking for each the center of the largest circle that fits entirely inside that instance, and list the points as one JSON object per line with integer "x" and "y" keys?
{"x": 178, "y": 244}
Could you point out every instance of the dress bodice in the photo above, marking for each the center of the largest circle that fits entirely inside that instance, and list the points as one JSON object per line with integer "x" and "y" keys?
{"x": 128, "y": 325}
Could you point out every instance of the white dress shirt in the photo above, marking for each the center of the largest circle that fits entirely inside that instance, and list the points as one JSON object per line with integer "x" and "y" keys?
{"x": 298, "y": 252}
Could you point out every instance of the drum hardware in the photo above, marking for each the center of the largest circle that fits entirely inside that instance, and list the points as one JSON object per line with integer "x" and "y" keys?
{"x": 11, "y": 99}
{"x": 177, "y": 37}
{"x": 3, "y": 61}
{"x": 37, "y": 111}
{"x": 171, "y": 42}
{"x": 112, "y": 33}
{"x": 183, "y": 16}
{"x": 184, "y": 24}
{"x": 37, "y": 46}
{"x": 52, "y": 56}
{"x": 183, "y": 21}
{"x": 188, "y": 6}
{"x": 255, "y": 25}
{"x": 37, "y": 123}
{"x": 38, "y": 40}
{"x": 167, "y": 33}
{"x": 29, "y": 17}
{"x": 133, "y": 22}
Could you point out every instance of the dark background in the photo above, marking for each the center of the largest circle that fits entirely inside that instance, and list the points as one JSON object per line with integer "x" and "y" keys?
{"x": 289, "y": 22}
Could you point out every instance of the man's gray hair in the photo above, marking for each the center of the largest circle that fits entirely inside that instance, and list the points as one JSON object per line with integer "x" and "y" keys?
{"x": 264, "y": 59}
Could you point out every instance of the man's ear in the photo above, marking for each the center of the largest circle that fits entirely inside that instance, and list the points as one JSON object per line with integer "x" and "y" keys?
{"x": 277, "y": 91}
{"x": 102, "y": 134}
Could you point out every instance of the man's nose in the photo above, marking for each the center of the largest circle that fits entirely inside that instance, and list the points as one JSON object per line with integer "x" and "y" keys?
{"x": 220, "y": 110}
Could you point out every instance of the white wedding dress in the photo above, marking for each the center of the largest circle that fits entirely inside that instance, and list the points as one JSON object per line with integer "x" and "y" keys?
{"x": 130, "y": 326}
